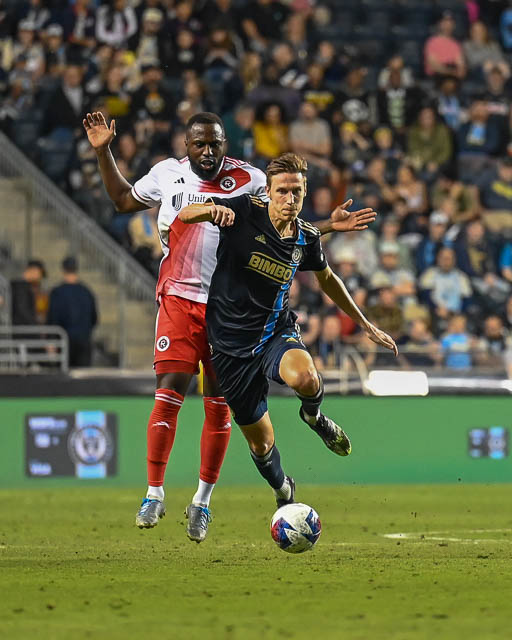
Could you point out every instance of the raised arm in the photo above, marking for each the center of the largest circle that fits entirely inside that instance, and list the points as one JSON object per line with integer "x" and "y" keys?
{"x": 207, "y": 212}
{"x": 118, "y": 188}
{"x": 342, "y": 219}
{"x": 337, "y": 292}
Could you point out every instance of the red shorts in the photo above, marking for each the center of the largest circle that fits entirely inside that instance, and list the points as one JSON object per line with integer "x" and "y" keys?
{"x": 181, "y": 341}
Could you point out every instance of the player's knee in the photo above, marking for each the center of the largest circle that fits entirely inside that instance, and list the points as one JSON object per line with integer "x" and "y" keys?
{"x": 306, "y": 382}
{"x": 261, "y": 448}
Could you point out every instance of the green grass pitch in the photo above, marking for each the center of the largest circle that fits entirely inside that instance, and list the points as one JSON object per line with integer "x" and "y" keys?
{"x": 73, "y": 566}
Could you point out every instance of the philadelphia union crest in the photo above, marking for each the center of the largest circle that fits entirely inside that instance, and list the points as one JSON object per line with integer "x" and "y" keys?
{"x": 90, "y": 445}
{"x": 297, "y": 255}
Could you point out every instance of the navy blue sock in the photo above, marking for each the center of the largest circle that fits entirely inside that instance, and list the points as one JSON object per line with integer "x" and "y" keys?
{"x": 270, "y": 468}
{"x": 311, "y": 404}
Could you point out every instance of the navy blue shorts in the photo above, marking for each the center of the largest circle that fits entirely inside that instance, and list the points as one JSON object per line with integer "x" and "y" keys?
{"x": 244, "y": 381}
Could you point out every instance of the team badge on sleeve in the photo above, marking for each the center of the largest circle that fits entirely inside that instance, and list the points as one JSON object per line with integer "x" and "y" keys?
{"x": 297, "y": 255}
{"x": 163, "y": 343}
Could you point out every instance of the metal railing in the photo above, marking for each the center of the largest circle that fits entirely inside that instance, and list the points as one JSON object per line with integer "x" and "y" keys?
{"x": 83, "y": 234}
{"x": 33, "y": 349}
{"x": 5, "y": 301}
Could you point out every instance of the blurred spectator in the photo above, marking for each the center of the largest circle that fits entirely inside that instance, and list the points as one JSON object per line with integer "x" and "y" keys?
{"x": 284, "y": 68}
{"x": 445, "y": 288}
{"x": 130, "y": 161}
{"x": 150, "y": 43}
{"x": 450, "y": 104}
{"x": 116, "y": 23}
{"x": 497, "y": 97}
{"x": 187, "y": 56}
{"x": 356, "y": 284}
{"x": 351, "y": 149}
{"x": 270, "y": 132}
{"x": 152, "y": 103}
{"x": 506, "y": 28}
{"x": 507, "y": 316}
{"x": 56, "y": 56}
{"x": 183, "y": 18}
{"x": 29, "y": 301}
{"x": 389, "y": 230}
{"x": 216, "y": 12}
{"x": 401, "y": 280}
{"x": 79, "y": 24}
{"x": 145, "y": 239}
{"x": 321, "y": 205}
{"x": 238, "y": 126}
{"x": 329, "y": 349}
{"x": 261, "y": 22}
{"x": 386, "y": 311}
{"x": 494, "y": 347}
{"x": 482, "y": 52}
{"x": 364, "y": 246}
{"x": 428, "y": 248}
{"x": 27, "y": 46}
{"x": 429, "y": 144}
{"x": 457, "y": 344}
{"x": 475, "y": 258}
{"x": 412, "y": 190}
{"x": 477, "y": 139}
{"x": 419, "y": 347}
{"x": 443, "y": 53}
{"x": 310, "y": 136}
{"x": 327, "y": 56}
{"x": 73, "y": 307}
{"x": 68, "y": 103}
{"x": 316, "y": 90}
{"x": 36, "y": 12}
{"x": 450, "y": 194}
{"x": 397, "y": 101}
{"x": 396, "y": 63}
{"x": 506, "y": 261}
{"x": 387, "y": 149}
{"x": 354, "y": 102}
{"x": 495, "y": 194}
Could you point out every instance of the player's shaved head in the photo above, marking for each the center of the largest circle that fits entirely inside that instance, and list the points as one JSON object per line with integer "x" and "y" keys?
{"x": 204, "y": 117}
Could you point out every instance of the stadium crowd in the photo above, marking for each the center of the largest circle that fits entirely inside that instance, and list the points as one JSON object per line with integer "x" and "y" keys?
{"x": 402, "y": 105}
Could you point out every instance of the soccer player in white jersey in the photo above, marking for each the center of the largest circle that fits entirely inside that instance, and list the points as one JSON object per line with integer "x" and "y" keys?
{"x": 182, "y": 291}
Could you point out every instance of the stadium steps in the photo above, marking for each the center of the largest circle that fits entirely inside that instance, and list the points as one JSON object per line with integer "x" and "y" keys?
{"x": 51, "y": 243}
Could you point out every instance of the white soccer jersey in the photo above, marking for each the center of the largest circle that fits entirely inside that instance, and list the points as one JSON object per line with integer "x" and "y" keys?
{"x": 190, "y": 249}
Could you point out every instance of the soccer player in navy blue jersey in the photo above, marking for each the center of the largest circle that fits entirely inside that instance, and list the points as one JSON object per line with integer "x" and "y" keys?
{"x": 252, "y": 332}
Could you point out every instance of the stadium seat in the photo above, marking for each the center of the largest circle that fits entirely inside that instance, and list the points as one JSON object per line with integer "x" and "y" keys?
{"x": 25, "y": 131}
{"x": 55, "y": 152}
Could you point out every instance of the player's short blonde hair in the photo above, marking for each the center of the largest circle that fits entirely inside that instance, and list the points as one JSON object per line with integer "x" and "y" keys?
{"x": 286, "y": 163}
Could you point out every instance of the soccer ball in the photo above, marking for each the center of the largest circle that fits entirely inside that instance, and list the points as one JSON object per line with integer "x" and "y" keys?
{"x": 295, "y": 528}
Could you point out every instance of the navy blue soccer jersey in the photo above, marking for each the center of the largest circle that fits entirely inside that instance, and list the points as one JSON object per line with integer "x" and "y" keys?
{"x": 248, "y": 297}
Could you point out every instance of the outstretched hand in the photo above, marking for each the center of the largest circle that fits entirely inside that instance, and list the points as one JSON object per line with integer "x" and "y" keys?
{"x": 343, "y": 220}
{"x": 99, "y": 133}
{"x": 381, "y": 337}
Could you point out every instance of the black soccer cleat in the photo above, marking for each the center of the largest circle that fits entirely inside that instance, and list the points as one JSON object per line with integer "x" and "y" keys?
{"x": 333, "y": 435}
{"x": 281, "y": 501}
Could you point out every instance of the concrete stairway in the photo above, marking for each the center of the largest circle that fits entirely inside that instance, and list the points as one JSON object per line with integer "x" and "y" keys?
{"x": 33, "y": 235}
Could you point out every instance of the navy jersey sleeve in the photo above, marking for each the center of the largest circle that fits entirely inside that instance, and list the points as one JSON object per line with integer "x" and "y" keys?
{"x": 314, "y": 256}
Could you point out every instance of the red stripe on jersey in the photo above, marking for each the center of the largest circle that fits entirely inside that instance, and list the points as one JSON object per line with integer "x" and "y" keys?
{"x": 227, "y": 181}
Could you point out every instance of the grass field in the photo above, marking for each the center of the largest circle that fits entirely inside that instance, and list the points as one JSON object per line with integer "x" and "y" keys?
{"x": 73, "y": 565}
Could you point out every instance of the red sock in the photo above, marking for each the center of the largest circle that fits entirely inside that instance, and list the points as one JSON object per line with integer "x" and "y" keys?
{"x": 161, "y": 432}
{"x": 214, "y": 439}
